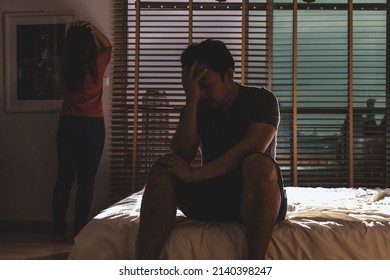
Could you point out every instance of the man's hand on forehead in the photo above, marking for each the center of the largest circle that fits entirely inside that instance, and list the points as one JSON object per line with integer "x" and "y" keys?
{"x": 190, "y": 80}
{"x": 200, "y": 67}
{"x": 194, "y": 71}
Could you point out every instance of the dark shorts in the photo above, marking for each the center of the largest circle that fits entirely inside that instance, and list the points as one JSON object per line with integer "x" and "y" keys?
{"x": 219, "y": 199}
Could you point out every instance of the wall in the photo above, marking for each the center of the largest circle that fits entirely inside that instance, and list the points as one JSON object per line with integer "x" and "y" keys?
{"x": 28, "y": 162}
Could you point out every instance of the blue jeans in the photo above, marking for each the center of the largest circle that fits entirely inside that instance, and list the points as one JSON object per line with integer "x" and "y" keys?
{"x": 80, "y": 143}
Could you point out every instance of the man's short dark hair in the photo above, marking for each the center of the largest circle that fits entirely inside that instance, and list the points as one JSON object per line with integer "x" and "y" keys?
{"x": 212, "y": 52}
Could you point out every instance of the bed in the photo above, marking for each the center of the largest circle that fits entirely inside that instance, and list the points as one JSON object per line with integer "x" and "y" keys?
{"x": 322, "y": 223}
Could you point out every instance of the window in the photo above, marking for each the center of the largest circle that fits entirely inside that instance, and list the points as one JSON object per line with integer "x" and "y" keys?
{"x": 326, "y": 72}
{"x": 329, "y": 71}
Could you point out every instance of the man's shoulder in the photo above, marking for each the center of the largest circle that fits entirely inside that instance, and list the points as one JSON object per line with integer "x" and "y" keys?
{"x": 252, "y": 92}
{"x": 247, "y": 88}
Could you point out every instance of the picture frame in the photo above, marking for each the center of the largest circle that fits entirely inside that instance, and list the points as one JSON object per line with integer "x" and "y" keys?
{"x": 33, "y": 44}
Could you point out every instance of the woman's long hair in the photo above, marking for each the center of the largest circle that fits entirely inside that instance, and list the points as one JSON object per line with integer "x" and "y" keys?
{"x": 81, "y": 52}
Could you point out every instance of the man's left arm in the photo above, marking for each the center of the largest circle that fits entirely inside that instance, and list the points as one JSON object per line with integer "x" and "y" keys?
{"x": 257, "y": 139}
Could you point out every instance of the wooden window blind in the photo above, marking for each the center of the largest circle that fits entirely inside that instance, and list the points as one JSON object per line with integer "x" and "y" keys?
{"x": 325, "y": 62}
{"x": 149, "y": 39}
{"x": 329, "y": 71}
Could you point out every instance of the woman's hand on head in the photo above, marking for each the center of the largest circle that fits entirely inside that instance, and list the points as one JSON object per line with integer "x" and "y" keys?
{"x": 82, "y": 23}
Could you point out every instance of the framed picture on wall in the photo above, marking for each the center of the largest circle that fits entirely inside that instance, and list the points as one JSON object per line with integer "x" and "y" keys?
{"x": 33, "y": 44}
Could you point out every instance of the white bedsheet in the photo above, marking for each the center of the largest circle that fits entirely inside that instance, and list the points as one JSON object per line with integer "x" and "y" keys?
{"x": 322, "y": 223}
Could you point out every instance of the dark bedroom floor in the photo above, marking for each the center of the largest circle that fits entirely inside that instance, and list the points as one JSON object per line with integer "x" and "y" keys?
{"x": 32, "y": 246}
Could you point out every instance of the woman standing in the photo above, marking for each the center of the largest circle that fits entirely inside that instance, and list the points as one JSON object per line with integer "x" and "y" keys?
{"x": 81, "y": 132}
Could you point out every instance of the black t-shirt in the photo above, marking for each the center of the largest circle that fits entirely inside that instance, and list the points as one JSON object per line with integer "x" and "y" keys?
{"x": 219, "y": 131}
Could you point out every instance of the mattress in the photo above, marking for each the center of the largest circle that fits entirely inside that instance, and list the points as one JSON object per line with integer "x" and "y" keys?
{"x": 321, "y": 223}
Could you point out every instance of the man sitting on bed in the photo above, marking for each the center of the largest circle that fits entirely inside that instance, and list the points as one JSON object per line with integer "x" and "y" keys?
{"x": 235, "y": 127}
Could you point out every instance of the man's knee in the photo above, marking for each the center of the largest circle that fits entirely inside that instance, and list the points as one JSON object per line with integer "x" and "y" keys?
{"x": 259, "y": 166}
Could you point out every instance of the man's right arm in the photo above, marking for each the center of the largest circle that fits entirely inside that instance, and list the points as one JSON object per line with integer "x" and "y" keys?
{"x": 186, "y": 140}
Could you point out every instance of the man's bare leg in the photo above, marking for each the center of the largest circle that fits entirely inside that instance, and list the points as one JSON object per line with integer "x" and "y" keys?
{"x": 158, "y": 212}
{"x": 260, "y": 202}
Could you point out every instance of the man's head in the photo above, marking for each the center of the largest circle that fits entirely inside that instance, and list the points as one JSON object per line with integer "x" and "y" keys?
{"x": 217, "y": 86}
{"x": 214, "y": 53}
